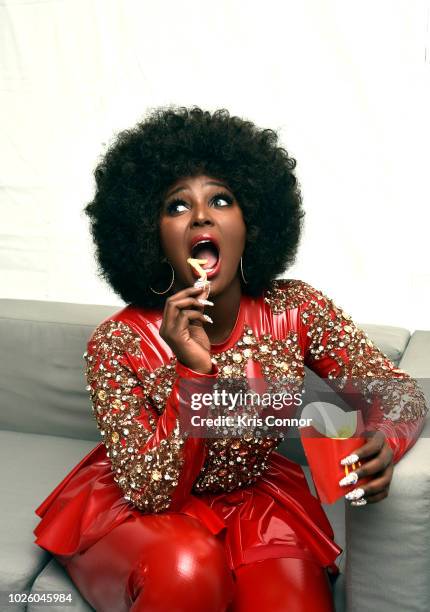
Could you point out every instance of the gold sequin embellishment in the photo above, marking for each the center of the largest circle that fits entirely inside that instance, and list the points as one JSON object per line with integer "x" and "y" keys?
{"x": 127, "y": 406}
{"x": 286, "y": 293}
{"x": 357, "y": 362}
{"x": 236, "y": 462}
{"x": 122, "y": 408}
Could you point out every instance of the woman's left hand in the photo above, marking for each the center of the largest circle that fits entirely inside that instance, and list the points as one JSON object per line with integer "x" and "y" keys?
{"x": 379, "y": 467}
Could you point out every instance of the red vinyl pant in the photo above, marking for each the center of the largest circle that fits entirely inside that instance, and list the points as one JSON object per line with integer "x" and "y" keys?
{"x": 172, "y": 563}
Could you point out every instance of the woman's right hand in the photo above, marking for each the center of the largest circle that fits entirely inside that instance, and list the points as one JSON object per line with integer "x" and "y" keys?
{"x": 182, "y": 329}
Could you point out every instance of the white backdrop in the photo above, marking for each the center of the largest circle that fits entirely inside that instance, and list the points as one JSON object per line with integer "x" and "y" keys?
{"x": 346, "y": 83}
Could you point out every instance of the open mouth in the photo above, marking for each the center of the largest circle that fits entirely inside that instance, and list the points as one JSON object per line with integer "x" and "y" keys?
{"x": 206, "y": 249}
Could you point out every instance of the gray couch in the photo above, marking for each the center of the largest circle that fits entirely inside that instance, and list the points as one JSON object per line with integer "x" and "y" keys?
{"x": 46, "y": 427}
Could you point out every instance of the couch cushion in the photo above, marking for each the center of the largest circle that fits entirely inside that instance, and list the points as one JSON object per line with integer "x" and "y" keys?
{"x": 42, "y": 379}
{"x": 31, "y": 466}
{"x": 53, "y": 577}
{"x": 339, "y": 594}
{"x": 88, "y": 315}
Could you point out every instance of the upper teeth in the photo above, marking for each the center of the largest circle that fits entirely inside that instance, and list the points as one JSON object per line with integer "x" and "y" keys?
{"x": 201, "y": 242}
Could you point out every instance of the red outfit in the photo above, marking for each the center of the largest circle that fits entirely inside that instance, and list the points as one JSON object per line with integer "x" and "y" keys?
{"x": 253, "y": 504}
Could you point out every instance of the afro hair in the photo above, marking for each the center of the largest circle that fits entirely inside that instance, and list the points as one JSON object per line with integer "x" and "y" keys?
{"x": 142, "y": 162}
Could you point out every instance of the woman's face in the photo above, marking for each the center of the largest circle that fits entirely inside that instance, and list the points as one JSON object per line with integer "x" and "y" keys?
{"x": 201, "y": 218}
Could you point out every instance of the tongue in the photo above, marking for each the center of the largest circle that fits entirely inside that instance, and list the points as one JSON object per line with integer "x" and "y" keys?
{"x": 206, "y": 253}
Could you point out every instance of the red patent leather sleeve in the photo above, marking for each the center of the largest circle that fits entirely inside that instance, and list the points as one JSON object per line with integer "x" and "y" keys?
{"x": 153, "y": 462}
{"x": 337, "y": 349}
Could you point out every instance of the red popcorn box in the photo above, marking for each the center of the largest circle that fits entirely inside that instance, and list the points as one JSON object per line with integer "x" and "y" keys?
{"x": 333, "y": 435}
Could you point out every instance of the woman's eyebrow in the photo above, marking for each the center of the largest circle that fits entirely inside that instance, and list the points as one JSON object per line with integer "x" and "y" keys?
{"x": 175, "y": 191}
{"x": 217, "y": 183}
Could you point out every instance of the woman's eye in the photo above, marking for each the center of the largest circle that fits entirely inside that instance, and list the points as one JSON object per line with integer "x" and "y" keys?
{"x": 219, "y": 200}
{"x": 174, "y": 206}
{"x": 222, "y": 197}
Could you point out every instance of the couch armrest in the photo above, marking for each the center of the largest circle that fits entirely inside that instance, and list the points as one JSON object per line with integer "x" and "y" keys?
{"x": 388, "y": 543}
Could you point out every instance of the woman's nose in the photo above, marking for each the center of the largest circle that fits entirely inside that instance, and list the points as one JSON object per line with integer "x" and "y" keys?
{"x": 201, "y": 216}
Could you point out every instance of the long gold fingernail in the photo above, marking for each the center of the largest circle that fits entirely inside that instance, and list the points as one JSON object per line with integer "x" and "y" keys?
{"x": 207, "y": 318}
{"x": 205, "y": 302}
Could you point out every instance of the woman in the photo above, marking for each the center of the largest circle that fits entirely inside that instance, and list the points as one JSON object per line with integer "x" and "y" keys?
{"x": 154, "y": 519}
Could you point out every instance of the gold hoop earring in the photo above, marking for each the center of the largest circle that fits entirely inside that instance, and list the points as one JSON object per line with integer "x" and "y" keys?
{"x": 241, "y": 271}
{"x": 173, "y": 279}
